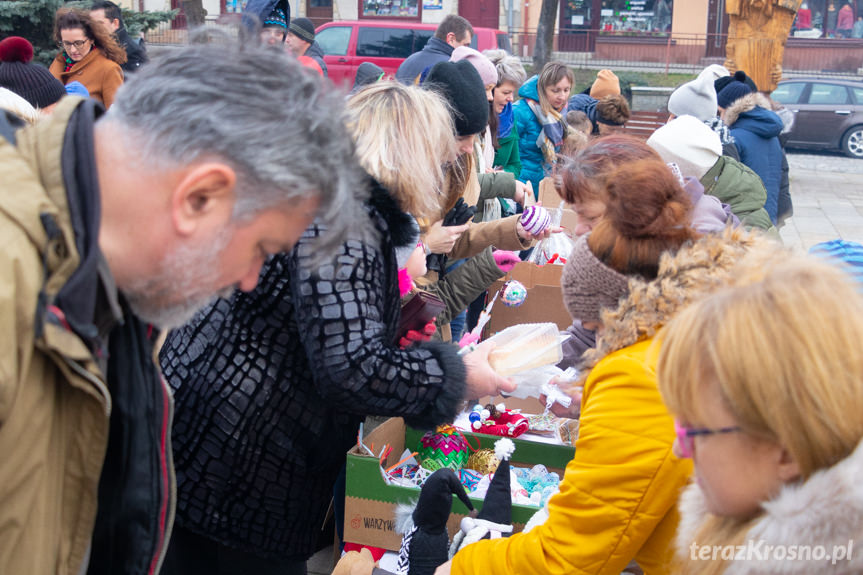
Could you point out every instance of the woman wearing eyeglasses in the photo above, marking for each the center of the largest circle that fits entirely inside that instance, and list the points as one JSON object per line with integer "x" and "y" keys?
{"x": 88, "y": 54}
{"x": 617, "y": 500}
{"x": 765, "y": 380}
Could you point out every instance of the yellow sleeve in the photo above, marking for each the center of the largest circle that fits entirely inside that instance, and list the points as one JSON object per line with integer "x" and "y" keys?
{"x": 619, "y": 486}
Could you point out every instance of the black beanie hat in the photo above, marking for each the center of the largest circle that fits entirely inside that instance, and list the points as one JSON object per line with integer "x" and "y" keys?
{"x": 303, "y": 28}
{"x": 435, "y": 502}
{"x": 32, "y": 82}
{"x": 738, "y": 76}
{"x": 459, "y": 83}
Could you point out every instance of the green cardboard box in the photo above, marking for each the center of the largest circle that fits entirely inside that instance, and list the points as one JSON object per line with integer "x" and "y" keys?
{"x": 370, "y": 503}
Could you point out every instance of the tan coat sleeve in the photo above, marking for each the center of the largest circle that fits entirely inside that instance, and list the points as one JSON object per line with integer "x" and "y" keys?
{"x": 501, "y": 234}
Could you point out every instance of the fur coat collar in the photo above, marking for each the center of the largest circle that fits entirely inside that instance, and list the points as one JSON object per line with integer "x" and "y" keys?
{"x": 696, "y": 269}
{"x": 746, "y": 104}
{"x": 826, "y": 510}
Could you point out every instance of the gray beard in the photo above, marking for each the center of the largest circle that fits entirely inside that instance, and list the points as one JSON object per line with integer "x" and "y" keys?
{"x": 183, "y": 285}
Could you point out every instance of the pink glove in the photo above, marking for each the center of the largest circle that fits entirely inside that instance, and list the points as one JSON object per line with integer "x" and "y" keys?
{"x": 505, "y": 260}
{"x": 413, "y": 336}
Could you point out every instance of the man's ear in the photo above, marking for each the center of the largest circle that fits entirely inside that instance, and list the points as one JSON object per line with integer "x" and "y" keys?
{"x": 203, "y": 192}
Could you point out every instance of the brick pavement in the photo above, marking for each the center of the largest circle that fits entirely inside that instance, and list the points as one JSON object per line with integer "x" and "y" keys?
{"x": 827, "y": 192}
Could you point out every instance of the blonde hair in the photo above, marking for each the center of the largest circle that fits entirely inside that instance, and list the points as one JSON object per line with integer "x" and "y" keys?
{"x": 403, "y": 136}
{"x": 18, "y": 106}
{"x": 551, "y": 74}
{"x": 780, "y": 343}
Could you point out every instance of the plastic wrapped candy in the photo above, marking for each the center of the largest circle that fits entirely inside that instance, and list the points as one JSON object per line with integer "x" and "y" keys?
{"x": 514, "y": 293}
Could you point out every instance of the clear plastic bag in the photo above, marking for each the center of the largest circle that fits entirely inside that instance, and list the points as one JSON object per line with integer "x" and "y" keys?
{"x": 524, "y": 347}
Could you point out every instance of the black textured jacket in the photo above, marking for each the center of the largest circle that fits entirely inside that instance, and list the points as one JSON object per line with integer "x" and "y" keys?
{"x": 270, "y": 388}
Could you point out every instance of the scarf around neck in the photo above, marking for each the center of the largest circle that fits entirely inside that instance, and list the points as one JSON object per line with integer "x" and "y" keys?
{"x": 507, "y": 119}
{"x": 553, "y": 131}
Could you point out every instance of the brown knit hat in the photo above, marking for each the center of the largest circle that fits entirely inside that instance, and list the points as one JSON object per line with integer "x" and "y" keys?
{"x": 589, "y": 285}
{"x": 606, "y": 84}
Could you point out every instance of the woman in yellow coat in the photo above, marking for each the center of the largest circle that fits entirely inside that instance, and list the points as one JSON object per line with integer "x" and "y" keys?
{"x": 618, "y": 495}
{"x": 88, "y": 54}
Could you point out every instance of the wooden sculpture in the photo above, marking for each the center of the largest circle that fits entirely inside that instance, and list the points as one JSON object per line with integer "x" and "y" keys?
{"x": 757, "y": 32}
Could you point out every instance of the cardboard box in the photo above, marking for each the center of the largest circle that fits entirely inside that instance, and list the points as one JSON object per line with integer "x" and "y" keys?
{"x": 549, "y": 198}
{"x": 544, "y": 301}
{"x": 370, "y": 503}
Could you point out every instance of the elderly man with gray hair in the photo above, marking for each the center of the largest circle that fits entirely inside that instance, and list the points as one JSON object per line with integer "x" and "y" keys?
{"x": 114, "y": 226}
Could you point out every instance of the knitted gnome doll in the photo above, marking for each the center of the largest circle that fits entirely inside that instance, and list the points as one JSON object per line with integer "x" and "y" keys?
{"x": 495, "y": 518}
{"x": 425, "y": 539}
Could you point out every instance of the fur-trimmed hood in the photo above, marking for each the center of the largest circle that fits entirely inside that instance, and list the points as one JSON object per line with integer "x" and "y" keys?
{"x": 754, "y": 112}
{"x": 697, "y": 268}
{"x": 826, "y": 511}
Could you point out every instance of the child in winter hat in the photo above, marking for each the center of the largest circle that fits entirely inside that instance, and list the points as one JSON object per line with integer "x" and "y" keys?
{"x": 31, "y": 81}
{"x": 689, "y": 143}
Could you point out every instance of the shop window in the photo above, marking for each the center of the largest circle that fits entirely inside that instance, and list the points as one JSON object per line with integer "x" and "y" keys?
{"x": 390, "y": 8}
{"x": 837, "y": 19}
{"x": 641, "y": 17}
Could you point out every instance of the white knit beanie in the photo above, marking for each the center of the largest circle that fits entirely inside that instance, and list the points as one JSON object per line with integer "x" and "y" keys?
{"x": 689, "y": 143}
{"x": 715, "y": 71}
{"x": 696, "y": 98}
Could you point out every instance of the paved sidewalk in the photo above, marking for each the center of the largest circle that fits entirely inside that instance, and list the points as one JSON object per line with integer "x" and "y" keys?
{"x": 827, "y": 192}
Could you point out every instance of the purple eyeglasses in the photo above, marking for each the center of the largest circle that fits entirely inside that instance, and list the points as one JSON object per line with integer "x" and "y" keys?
{"x": 686, "y": 436}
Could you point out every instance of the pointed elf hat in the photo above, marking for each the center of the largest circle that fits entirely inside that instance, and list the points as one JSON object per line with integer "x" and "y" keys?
{"x": 435, "y": 502}
{"x": 497, "y": 507}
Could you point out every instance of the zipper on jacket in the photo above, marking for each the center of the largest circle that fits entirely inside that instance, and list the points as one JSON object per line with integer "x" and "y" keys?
{"x": 99, "y": 385}
{"x": 166, "y": 522}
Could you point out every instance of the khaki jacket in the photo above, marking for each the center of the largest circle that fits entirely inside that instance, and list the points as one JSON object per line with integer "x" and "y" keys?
{"x": 102, "y": 77}
{"x": 55, "y": 405}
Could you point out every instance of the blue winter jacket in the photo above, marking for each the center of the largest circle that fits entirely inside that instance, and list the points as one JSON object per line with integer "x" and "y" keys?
{"x": 584, "y": 103}
{"x": 755, "y": 132}
{"x": 435, "y": 50}
{"x": 533, "y": 164}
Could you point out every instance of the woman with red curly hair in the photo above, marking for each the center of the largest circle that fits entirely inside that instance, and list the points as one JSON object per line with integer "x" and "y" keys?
{"x": 89, "y": 54}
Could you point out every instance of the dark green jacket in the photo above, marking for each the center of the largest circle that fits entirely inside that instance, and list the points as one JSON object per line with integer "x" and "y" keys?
{"x": 741, "y": 188}
{"x": 507, "y": 156}
{"x": 493, "y": 185}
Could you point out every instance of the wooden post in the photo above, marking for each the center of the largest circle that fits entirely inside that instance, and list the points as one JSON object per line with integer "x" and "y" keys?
{"x": 757, "y": 33}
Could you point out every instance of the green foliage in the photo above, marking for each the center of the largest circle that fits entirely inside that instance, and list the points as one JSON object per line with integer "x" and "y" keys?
{"x": 34, "y": 20}
{"x": 137, "y": 22}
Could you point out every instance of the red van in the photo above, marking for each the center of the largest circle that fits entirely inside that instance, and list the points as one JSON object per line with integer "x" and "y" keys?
{"x": 347, "y": 44}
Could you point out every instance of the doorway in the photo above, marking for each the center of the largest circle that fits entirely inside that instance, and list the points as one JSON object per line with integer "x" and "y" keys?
{"x": 481, "y": 13}
{"x": 320, "y": 11}
{"x": 579, "y": 23}
{"x": 717, "y": 29}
